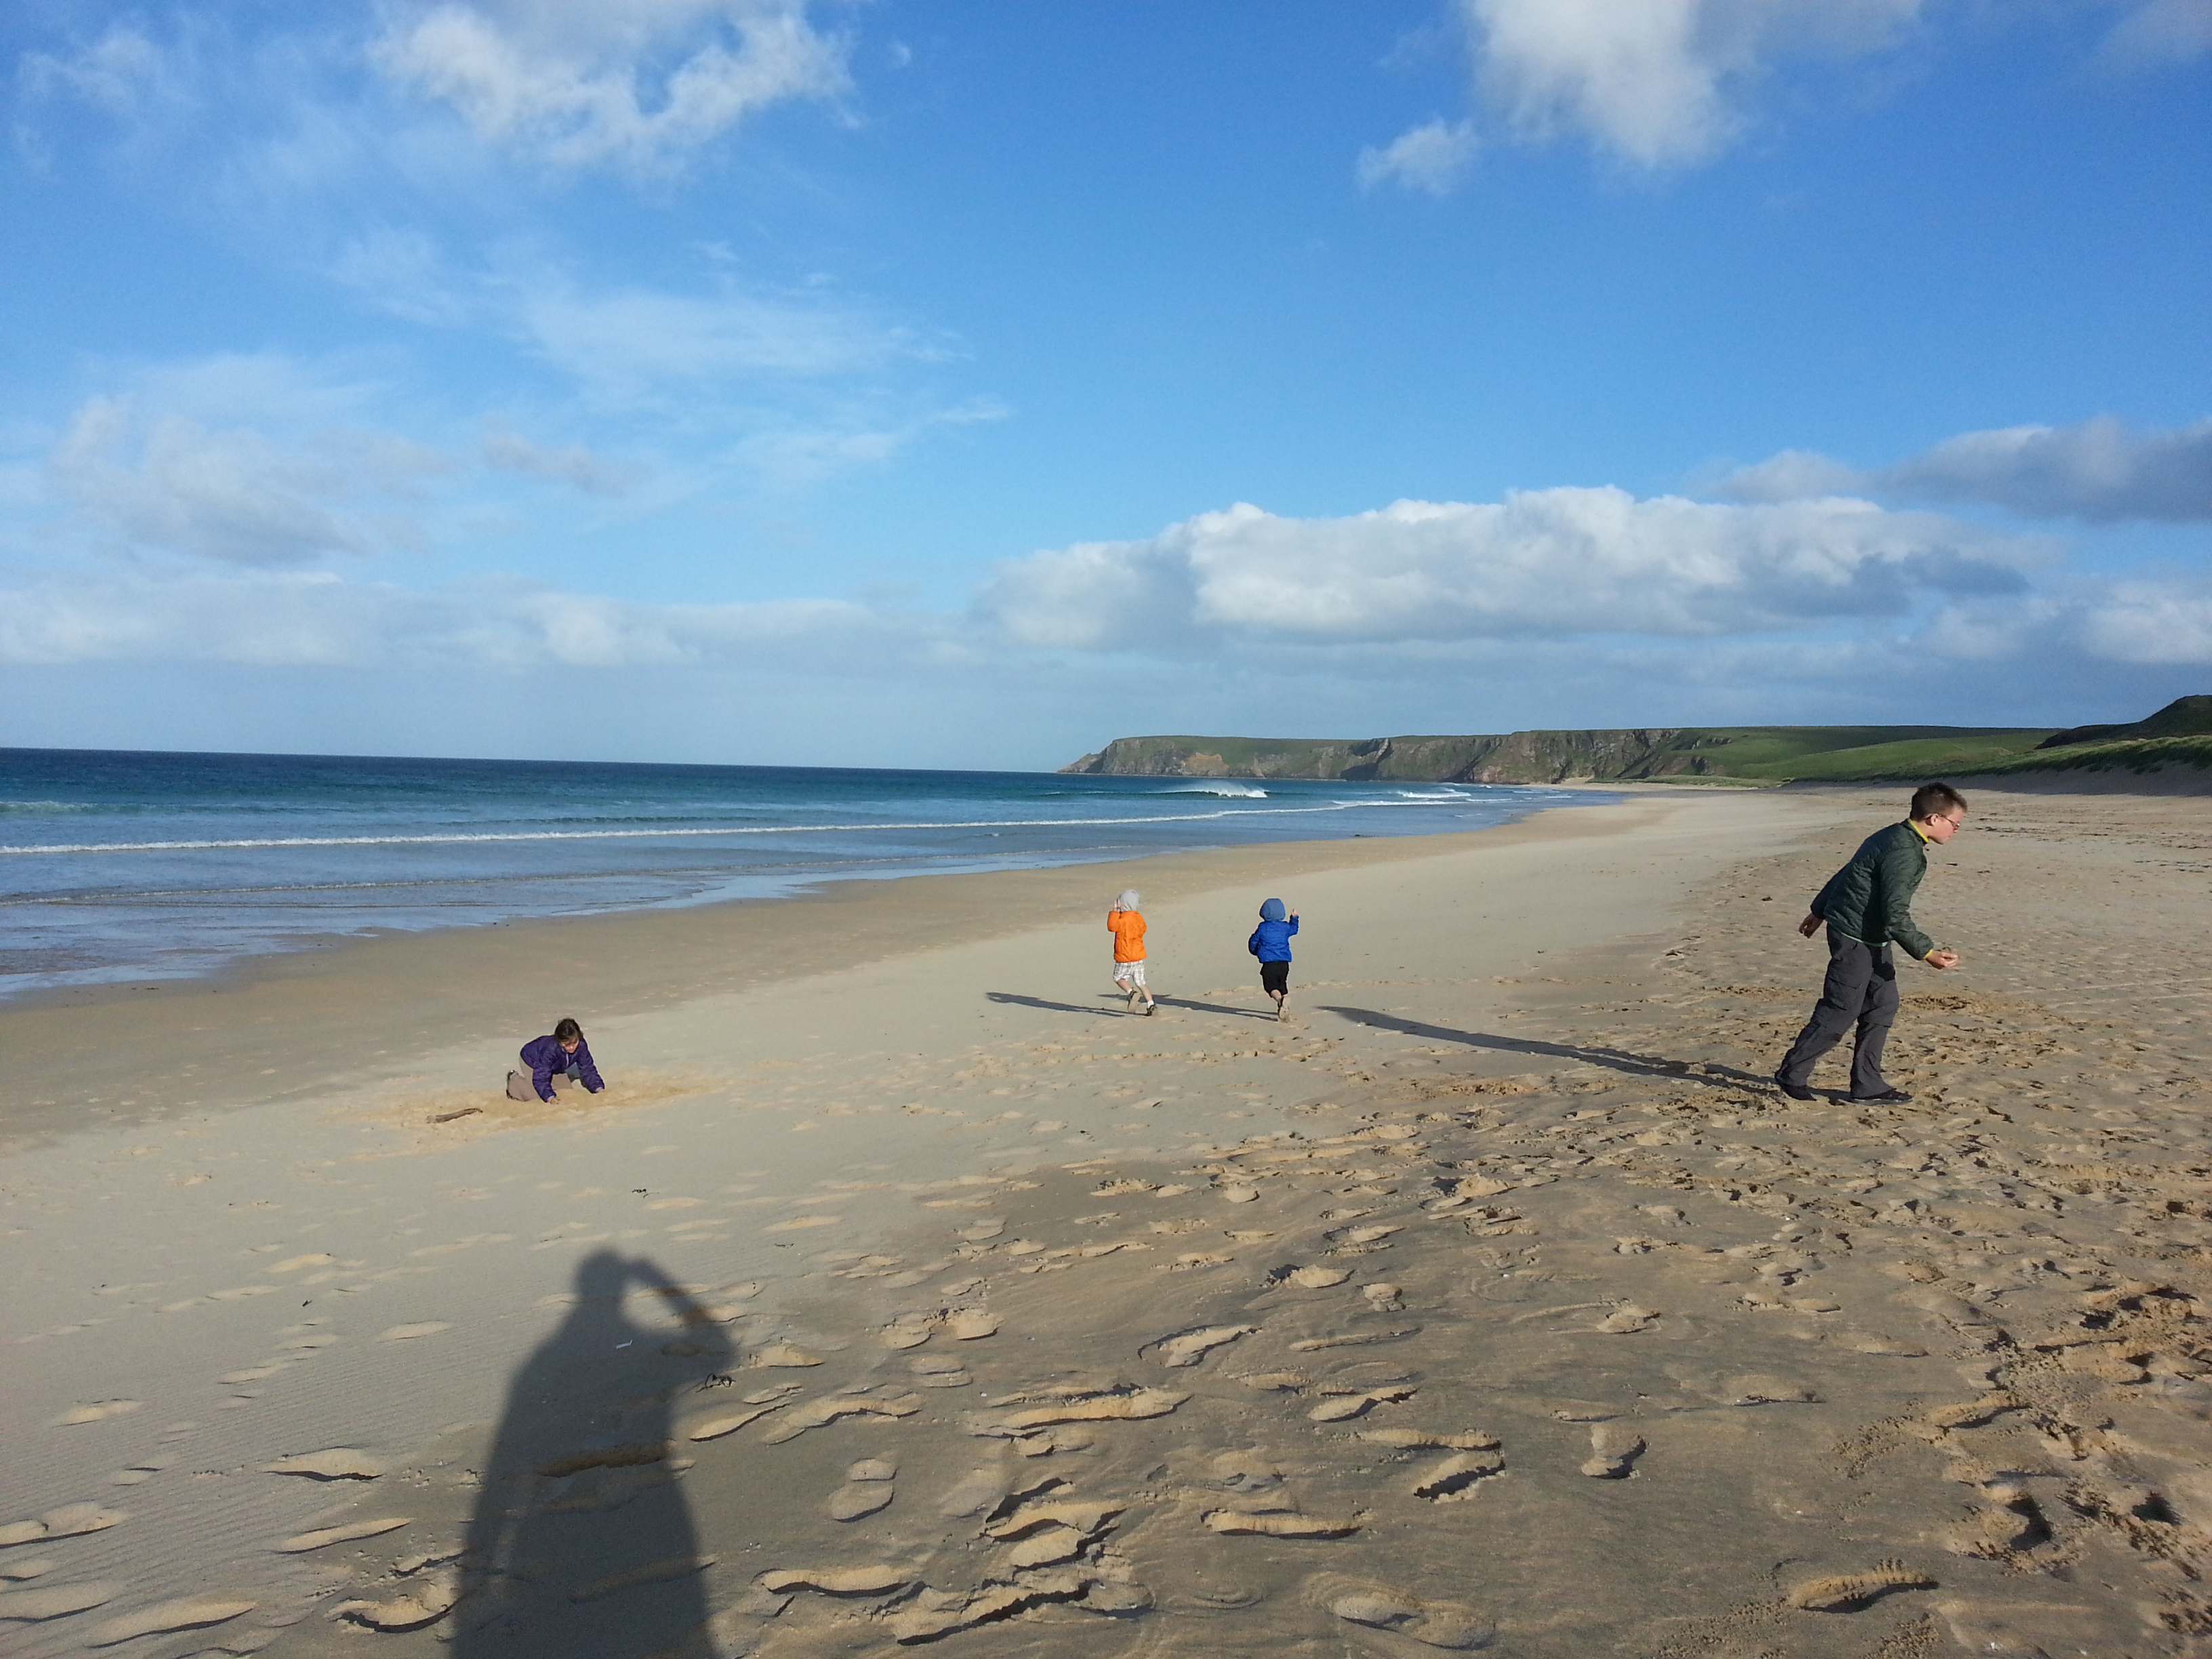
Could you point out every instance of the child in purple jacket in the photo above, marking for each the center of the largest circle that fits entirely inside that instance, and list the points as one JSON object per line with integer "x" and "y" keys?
{"x": 563, "y": 1053}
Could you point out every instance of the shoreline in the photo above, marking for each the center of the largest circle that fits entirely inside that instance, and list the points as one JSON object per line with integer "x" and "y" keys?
{"x": 448, "y": 984}
{"x": 1514, "y": 1142}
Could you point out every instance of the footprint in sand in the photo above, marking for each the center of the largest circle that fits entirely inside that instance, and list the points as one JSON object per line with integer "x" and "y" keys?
{"x": 97, "y": 1411}
{"x": 53, "y": 1601}
{"x": 326, "y": 1536}
{"x": 1191, "y": 1346}
{"x": 654, "y": 1572}
{"x": 1452, "y": 1479}
{"x": 939, "y": 1371}
{"x": 337, "y": 1463}
{"x": 1430, "y": 1439}
{"x": 1436, "y": 1623}
{"x": 970, "y": 1325}
{"x": 1615, "y": 1448}
{"x": 909, "y": 1330}
{"x": 71, "y": 1520}
{"x": 408, "y": 1332}
{"x": 424, "y": 1604}
{"x": 1117, "y": 1406}
{"x": 975, "y": 1491}
{"x": 1278, "y": 1521}
{"x": 190, "y": 1613}
{"x": 781, "y": 1355}
{"x": 1848, "y": 1592}
{"x": 1276, "y": 1381}
{"x": 868, "y": 1487}
{"x": 837, "y": 1581}
{"x": 1346, "y": 1406}
{"x": 1318, "y": 1278}
{"x": 831, "y": 1408}
{"x": 714, "y": 1427}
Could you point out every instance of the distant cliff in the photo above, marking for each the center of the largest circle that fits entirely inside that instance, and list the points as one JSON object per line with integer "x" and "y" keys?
{"x": 1750, "y": 754}
{"x": 1514, "y": 757}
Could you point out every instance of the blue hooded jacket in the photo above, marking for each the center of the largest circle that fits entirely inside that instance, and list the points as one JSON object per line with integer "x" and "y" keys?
{"x": 1271, "y": 940}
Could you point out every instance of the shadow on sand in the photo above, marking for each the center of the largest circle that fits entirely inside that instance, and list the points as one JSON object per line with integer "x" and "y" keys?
{"x": 1122, "y": 1013}
{"x": 582, "y": 1544}
{"x": 1617, "y": 1060}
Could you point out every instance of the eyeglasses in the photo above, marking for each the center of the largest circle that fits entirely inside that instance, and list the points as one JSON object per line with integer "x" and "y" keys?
{"x": 1954, "y": 820}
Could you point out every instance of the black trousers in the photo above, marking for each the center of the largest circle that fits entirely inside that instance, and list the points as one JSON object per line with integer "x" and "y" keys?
{"x": 1860, "y": 993}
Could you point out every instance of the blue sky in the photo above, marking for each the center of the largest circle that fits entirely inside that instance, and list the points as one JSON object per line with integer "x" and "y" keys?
{"x": 965, "y": 384}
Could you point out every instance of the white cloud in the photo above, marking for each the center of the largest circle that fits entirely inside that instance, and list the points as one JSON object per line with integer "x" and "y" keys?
{"x": 625, "y": 344}
{"x": 318, "y": 619}
{"x": 2142, "y": 622}
{"x": 155, "y": 480}
{"x": 121, "y": 73}
{"x": 1656, "y": 82}
{"x": 2160, "y": 32}
{"x": 1551, "y": 562}
{"x": 1431, "y": 158}
{"x": 2099, "y": 470}
{"x": 571, "y": 464}
{"x": 800, "y": 457}
{"x": 402, "y": 272}
{"x": 638, "y": 83}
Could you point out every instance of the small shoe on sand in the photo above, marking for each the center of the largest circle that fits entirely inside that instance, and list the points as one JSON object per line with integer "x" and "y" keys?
{"x": 1795, "y": 1091}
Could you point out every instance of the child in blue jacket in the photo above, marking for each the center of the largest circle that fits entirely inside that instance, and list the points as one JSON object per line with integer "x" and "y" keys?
{"x": 1271, "y": 943}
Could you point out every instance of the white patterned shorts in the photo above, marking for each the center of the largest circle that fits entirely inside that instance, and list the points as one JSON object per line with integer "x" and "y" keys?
{"x": 1129, "y": 973}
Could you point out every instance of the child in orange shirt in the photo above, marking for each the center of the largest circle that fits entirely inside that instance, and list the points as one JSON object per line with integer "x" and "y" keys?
{"x": 1126, "y": 923}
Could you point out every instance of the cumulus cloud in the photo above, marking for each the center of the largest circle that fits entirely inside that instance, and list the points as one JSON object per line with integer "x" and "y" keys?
{"x": 1656, "y": 82}
{"x": 2100, "y": 470}
{"x": 1431, "y": 158}
{"x": 1549, "y": 563}
{"x": 2144, "y": 622}
{"x": 636, "y": 83}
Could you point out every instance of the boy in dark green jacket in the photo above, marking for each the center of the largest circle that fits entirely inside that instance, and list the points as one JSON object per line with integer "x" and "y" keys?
{"x": 1865, "y": 905}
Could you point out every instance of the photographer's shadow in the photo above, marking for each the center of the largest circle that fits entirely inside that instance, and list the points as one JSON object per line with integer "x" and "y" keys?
{"x": 582, "y": 1544}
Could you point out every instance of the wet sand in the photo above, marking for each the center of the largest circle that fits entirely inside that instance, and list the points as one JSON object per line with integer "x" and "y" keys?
{"x": 904, "y": 1291}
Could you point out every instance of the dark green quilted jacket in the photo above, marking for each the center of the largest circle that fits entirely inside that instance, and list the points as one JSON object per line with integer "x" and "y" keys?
{"x": 1870, "y": 898}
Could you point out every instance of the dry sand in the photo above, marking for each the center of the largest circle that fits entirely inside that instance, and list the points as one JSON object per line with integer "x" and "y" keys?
{"x": 904, "y": 1291}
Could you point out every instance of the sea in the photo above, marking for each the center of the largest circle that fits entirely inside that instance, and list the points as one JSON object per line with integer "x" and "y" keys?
{"x": 118, "y": 867}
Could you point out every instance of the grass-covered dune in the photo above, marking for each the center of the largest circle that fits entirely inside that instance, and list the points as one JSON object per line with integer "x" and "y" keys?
{"x": 2178, "y": 735}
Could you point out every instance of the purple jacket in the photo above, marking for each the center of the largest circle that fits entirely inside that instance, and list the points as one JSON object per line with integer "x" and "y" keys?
{"x": 544, "y": 1056}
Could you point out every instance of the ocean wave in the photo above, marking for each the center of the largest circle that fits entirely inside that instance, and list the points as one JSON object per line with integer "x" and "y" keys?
{"x": 1232, "y": 791}
{"x": 260, "y": 843}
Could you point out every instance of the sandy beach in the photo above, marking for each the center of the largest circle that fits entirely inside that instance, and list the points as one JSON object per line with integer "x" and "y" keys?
{"x": 903, "y": 1289}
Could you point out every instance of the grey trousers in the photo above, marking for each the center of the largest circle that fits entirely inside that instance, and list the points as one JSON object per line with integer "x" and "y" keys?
{"x": 1861, "y": 991}
{"x": 520, "y": 1086}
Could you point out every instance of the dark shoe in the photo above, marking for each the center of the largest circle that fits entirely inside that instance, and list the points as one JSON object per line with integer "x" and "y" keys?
{"x": 1795, "y": 1091}
{"x": 1886, "y": 1098}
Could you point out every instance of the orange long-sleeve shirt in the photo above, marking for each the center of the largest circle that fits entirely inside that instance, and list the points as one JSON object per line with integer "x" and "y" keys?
{"x": 1128, "y": 927}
